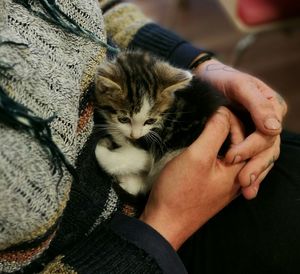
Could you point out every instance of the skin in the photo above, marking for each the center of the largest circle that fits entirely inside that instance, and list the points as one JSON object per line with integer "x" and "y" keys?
{"x": 245, "y": 166}
{"x": 267, "y": 108}
{"x": 241, "y": 171}
{"x": 169, "y": 213}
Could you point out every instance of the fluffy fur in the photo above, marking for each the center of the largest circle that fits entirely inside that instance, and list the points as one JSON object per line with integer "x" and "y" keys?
{"x": 151, "y": 111}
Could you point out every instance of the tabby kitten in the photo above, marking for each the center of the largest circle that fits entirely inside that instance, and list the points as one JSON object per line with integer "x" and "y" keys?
{"x": 151, "y": 111}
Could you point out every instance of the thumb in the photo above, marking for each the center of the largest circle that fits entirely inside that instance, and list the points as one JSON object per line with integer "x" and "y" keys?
{"x": 265, "y": 119}
{"x": 214, "y": 134}
{"x": 257, "y": 99}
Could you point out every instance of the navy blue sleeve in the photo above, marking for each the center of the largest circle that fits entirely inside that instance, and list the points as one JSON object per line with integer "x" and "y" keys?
{"x": 166, "y": 45}
{"x": 148, "y": 239}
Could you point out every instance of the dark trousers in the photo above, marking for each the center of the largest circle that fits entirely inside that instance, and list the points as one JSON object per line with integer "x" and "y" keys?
{"x": 258, "y": 236}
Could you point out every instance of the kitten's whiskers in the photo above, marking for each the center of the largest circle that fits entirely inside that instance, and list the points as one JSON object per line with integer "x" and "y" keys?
{"x": 155, "y": 137}
{"x": 176, "y": 112}
{"x": 173, "y": 120}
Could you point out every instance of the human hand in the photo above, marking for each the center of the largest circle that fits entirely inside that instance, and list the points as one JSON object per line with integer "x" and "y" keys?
{"x": 267, "y": 109}
{"x": 196, "y": 184}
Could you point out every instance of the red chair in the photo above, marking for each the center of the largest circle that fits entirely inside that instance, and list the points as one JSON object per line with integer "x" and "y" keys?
{"x": 255, "y": 17}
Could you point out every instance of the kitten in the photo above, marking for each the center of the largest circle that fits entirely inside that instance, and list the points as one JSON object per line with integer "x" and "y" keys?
{"x": 151, "y": 111}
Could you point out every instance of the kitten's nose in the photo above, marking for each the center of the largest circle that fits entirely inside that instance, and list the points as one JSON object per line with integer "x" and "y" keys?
{"x": 134, "y": 136}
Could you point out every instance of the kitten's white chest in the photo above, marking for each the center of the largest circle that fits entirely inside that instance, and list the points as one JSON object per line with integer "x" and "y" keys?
{"x": 128, "y": 163}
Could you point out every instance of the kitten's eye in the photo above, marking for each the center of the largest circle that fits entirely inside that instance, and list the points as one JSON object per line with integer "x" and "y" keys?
{"x": 124, "y": 120}
{"x": 150, "y": 121}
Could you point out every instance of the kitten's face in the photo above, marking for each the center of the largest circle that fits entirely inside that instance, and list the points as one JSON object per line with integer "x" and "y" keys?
{"x": 137, "y": 124}
{"x": 134, "y": 91}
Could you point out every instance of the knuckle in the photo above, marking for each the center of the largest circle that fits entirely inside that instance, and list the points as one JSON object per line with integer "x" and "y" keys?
{"x": 221, "y": 119}
{"x": 243, "y": 179}
{"x": 223, "y": 111}
{"x": 243, "y": 153}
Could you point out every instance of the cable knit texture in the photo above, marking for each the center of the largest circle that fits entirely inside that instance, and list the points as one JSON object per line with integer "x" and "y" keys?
{"x": 48, "y": 76}
{"x": 50, "y": 222}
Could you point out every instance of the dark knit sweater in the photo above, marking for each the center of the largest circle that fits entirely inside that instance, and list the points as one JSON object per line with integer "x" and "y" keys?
{"x": 86, "y": 226}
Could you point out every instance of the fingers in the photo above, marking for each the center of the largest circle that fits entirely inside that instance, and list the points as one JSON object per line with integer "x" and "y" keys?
{"x": 214, "y": 134}
{"x": 251, "y": 191}
{"x": 266, "y": 107}
{"x": 275, "y": 98}
{"x": 257, "y": 169}
{"x": 237, "y": 135}
{"x": 259, "y": 164}
{"x": 252, "y": 145}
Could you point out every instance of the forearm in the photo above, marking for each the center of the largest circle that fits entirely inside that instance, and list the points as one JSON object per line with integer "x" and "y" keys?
{"x": 129, "y": 28}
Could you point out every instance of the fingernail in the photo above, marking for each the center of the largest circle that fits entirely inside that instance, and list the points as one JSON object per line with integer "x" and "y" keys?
{"x": 255, "y": 190}
{"x": 236, "y": 159}
{"x": 252, "y": 179}
{"x": 272, "y": 124}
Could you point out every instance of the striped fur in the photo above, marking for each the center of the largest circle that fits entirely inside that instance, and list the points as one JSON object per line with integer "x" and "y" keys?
{"x": 123, "y": 84}
{"x": 148, "y": 107}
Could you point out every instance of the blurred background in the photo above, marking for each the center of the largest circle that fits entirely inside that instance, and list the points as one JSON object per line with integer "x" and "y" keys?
{"x": 273, "y": 55}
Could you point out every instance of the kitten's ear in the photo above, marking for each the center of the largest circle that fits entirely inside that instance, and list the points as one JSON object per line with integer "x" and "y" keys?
{"x": 106, "y": 83}
{"x": 172, "y": 78}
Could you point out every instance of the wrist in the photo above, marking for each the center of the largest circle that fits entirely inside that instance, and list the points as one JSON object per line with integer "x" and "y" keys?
{"x": 200, "y": 59}
{"x": 167, "y": 229}
{"x": 200, "y": 63}
{"x": 172, "y": 229}
{"x": 202, "y": 69}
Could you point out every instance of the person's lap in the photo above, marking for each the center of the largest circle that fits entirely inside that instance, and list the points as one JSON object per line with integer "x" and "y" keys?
{"x": 257, "y": 236}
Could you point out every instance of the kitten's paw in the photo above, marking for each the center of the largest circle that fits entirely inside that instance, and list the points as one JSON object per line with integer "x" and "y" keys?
{"x": 133, "y": 184}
